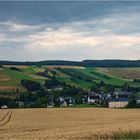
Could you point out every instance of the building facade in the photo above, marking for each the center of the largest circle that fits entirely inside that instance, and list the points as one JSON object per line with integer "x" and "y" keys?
{"x": 117, "y": 103}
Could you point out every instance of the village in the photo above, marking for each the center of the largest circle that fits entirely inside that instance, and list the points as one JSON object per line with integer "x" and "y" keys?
{"x": 52, "y": 92}
{"x": 115, "y": 100}
{"x": 109, "y": 100}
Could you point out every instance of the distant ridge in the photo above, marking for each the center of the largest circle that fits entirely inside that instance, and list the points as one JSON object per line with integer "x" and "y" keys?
{"x": 111, "y": 63}
{"x": 88, "y": 63}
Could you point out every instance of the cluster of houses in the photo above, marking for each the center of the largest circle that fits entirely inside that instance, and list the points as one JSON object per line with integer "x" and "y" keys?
{"x": 115, "y": 100}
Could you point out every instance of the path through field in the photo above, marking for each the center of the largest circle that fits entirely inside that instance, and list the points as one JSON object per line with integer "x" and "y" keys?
{"x": 64, "y": 123}
{"x": 5, "y": 117}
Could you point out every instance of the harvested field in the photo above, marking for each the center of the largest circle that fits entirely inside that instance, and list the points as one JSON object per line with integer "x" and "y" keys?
{"x": 5, "y": 117}
{"x": 37, "y": 77}
{"x": 126, "y": 73}
{"x": 17, "y": 66}
{"x": 63, "y": 66}
{"x": 11, "y": 88}
{"x": 66, "y": 123}
{"x": 39, "y": 69}
{"x": 3, "y": 76}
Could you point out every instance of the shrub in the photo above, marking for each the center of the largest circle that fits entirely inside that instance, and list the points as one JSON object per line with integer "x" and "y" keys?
{"x": 14, "y": 68}
{"x": 31, "y": 85}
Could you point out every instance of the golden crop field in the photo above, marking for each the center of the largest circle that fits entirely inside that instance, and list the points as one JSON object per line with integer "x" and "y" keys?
{"x": 65, "y": 123}
{"x": 64, "y": 66}
{"x": 126, "y": 73}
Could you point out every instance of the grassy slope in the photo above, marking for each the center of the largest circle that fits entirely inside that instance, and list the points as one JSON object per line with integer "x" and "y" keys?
{"x": 113, "y": 80}
{"x": 97, "y": 77}
{"x": 12, "y": 78}
{"x": 79, "y": 83}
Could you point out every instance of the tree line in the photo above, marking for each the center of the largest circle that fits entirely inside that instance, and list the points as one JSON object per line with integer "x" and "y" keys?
{"x": 86, "y": 63}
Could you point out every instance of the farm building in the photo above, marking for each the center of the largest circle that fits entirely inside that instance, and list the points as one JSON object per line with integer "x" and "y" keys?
{"x": 93, "y": 97}
{"x": 70, "y": 100}
{"x": 117, "y": 103}
{"x": 55, "y": 88}
{"x": 20, "y": 103}
{"x": 122, "y": 94}
{"x": 4, "y": 107}
{"x": 138, "y": 100}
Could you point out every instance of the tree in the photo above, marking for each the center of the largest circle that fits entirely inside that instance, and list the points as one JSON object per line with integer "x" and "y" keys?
{"x": 42, "y": 102}
{"x": 41, "y": 93}
{"x": 39, "y": 65}
{"x": 71, "y": 91}
{"x": 136, "y": 80}
{"x": 24, "y": 97}
{"x": 4, "y": 101}
{"x": 56, "y": 100}
{"x": 73, "y": 79}
{"x": 31, "y": 85}
{"x": 12, "y": 104}
{"x": 52, "y": 82}
{"x": 44, "y": 73}
{"x": 125, "y": 87}
{"x": 15, "y": 68}
{"x": 95, "y": 89}
{"x": 132, "y": 101}
{"x": 110, "y": 88}
{"x": 78, "y": 98}
{"x": 67, "y": 101}
{"x": 102, "y": 83}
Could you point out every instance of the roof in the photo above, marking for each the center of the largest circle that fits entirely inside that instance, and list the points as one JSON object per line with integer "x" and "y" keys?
{"x": 118, "y": 100}
{"x": 122, "y": 93}
{"x": 94, "y": 97}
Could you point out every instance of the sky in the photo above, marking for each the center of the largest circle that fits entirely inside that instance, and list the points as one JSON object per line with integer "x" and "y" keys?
{"x": 68, "y": 30}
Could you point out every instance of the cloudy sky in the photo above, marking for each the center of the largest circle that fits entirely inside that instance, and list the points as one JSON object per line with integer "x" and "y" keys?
{"x": 69, "y": 30}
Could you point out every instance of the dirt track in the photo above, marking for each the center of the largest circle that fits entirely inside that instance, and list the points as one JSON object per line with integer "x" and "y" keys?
{"x": 65, "y": 123}
{"x": 6, "y": 118}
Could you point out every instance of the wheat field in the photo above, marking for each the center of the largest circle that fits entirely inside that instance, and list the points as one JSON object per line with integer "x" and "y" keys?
{"x": 65, "y": 123}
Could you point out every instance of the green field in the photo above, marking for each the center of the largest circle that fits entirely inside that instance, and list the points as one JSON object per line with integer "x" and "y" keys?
{"x": 97, "y": 75}
{"x": 10, "y": 79}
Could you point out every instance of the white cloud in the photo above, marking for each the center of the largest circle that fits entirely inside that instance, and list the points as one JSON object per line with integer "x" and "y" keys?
{"x": 115, "y": 36}
{"x": 18, "y": 27}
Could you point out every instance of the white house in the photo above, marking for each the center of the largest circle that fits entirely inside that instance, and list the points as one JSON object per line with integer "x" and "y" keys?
{"x": 62, "y": 101}
{"x": 20, "y": 103}
{"x": 63, "y": 104}
{"x": 90, "y": 100}
{"x": 117, "y": 103}
{"x": 138, "y": 100}
{"x": 4, "y": 107}
{"x": 55, "y": 88}
{"x": 93, "y": 99}
{"x": 70, "y": 100}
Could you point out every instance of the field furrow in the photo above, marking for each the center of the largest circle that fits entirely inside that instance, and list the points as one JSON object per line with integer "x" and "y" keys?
{"x": 6, "y": 118}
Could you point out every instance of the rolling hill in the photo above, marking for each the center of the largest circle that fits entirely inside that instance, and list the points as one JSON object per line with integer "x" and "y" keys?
{"x": 84, "y": 77}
